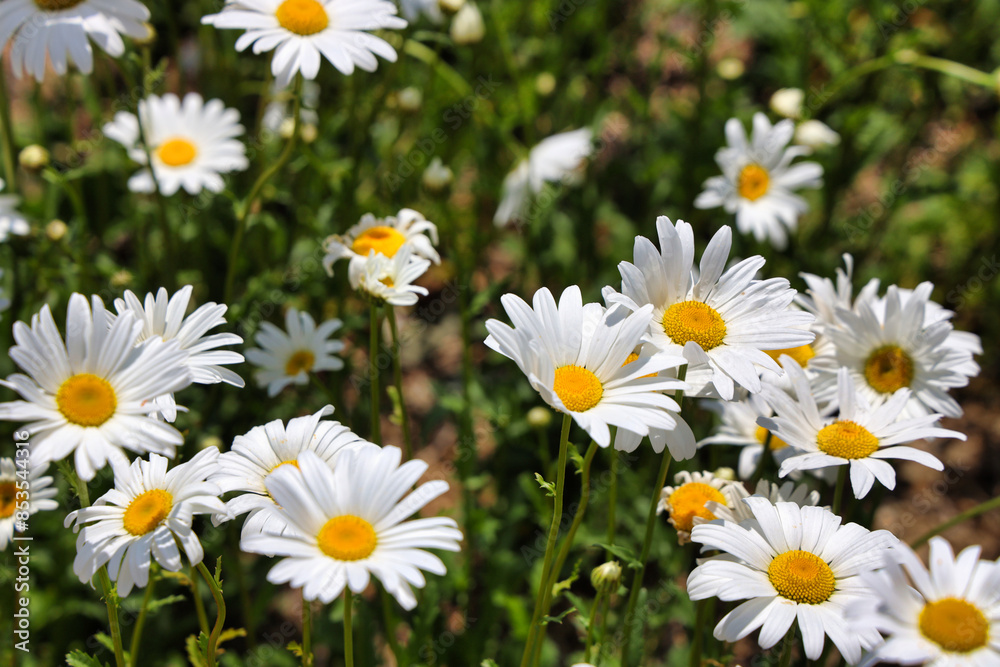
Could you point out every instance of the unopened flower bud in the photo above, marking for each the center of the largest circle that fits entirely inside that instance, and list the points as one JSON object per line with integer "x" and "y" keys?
{"x": 148, "y": 39}
{"x": 437, "y": 176}
{"x": 730, "y": 68}
{"x": 539, "y": 417}
{"x": 815, "y": 134}
{"x": 607, "y": 576}
{"x": 451, "y": 5}
{"x": 467, "y": 27}
{"x": 121, "y": 278}
{"x": 545, "y": 83}
{"x": 725, "y": 473}
{"x": 787, "y": 102}
{"x": 34, "y": 157}
{"x": 410, "y": 99}
{"x": 56, "y": 229}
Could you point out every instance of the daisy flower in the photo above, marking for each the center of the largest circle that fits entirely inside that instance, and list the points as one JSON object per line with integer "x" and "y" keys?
{"x": 687, "y": 500}
{"x": 555, "y": 159}
{"x": 758, "y": 179}
{"x": 383, "y": 236}
{"x": 192, "y": 142}
{"x": 723, "y": 319}
{"x": 288, "y": 358}
{"x": 163, "y": 317}
{"x": 739, "y": 427}
{"x": 860, "y": 436}
{"x": 300, "y": 31}
{"x": 36, "y": 488}
{"x": 348, "y": 524}
{"x": 92, "y": 394}
{"x": 59, "y": 30}
{"x": 947, "y": 617}
{"x": 11, "y": 220}
{"x": 737, "y": 511}
{"x": 390, "y": 279}
{"x": 147, "y": 514}
{"x": 576, "y": 357}
{"x": 412, "y": 9}
{"x": 262, "y": 450}
{"x": 791, "y": 564}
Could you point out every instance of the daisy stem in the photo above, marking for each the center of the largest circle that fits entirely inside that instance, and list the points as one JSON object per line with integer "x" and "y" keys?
{"x": 348, "y": 632}
{"x": 397, "y": 372}
{"x": 550, "y": 545}
{"x": 307, "y": 656}
{"x": 7, "y": 136}
{"x": 838, "y": 493}
{"x": 111, "y": 600}
{"x": 698, "y": 640}
{"x": 140, "y": 622}
{"x": 199, "y": 606}
{"x": 959, "y": 518}
{"x": 373, "y": 349}
{"x": 786, "y": 652}
{"x": 598, "y": 601}
{"x": 612, "y": 496}
{"x": 390, "y": 627}
{"x": 220, "y": 618}
{"x": 244, "y": 209}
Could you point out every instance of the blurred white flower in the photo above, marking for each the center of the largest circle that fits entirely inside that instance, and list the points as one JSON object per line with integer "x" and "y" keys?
{"x": 385, "y": 236}
{"x": 815, "y": 134}
{"x": 412, "y": 9}
{"x": 288, "y": 358}
{"x": 437, "y": 176}
{"x": 390, "y": 279}
{"x": 467, "y": 26}
{"x": 11, "y": 220}
{"x": 787, "y": 102}
{"x": 24, "y": 490}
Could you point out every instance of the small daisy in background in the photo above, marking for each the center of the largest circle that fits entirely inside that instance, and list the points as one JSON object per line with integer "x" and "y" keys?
{"x": 737, "y": 511}
{"x": 687, "y": 500}
{"x": 383, "y": 236}
{"x": 725, "y": 319}
{"x": 263, "y": 449}
{"x": 163, "y": 316}
{"x": 758, "y": 180}
{"x": 946, "y": 617}
{"x": 11, "y": 220}
{"x": 390, "y": 279}
{"x": 790, "y": 564}
{"x": 349, "y": 523}
{"x": 147, "y": 514}
{"x": 35, "y": 488}
{"x": 860, "y": 437}
{"x": 738, "y": 426}
{"x": 576, "y": 357}
{"x": 60, "y": 31}
{"x": 288, "y": 358}
{"x": 191, "y": 142}
{"x": 556, "y": 159}
{"x": 301, "y": 31}
{"x": 93, "y": 394}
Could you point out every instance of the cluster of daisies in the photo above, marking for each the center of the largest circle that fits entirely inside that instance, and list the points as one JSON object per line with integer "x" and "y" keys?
{"x": 805, "y": 384}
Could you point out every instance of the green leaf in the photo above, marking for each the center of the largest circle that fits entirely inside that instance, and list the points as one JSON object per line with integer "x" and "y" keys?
{"x": 488, "y": 662}
{"x": 295, "y": 648}
{"x": 78, "y": 658}
{"x": 563, "y": 585}
{"x": 163, "y": 602}
{"x": 218, "y": 571}
{"x": 559, "y": 618}
{"x": 621, "y": 552}
{"x": 231, "y": 633}
{"x": 196, "y": 649}
{"x": 548, "y": 487}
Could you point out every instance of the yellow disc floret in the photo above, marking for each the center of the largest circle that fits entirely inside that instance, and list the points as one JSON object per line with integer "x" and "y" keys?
{"x": 383, "y": 240}
{"x": 299, "y": 361}
{"x": 694, "y": 320}
{"x": 176, "y": 152}
{"x": 347, "y": 537}
{"x": 776, "y": 442}
{"x": 847, "y": 440}
{"x": 688, "y": 502}
{"x": 577, "y": 388}
{"x": 954, "y": 625}
{"x": 802, "y": 576}
{"x": 303, "y": 17}
{"x": 754, "y": 181}
{"x": 801, "y": 354}
{"x": 889, "y": 369}
{"x": 8, "y": 495}
{"x": 147, "y": 511}
{"x": 86, "y": 400}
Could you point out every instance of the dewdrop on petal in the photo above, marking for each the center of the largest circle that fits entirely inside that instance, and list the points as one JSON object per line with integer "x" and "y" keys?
{"x": 467, "y": 27}
{"x": 606, "y": 577}
{"x": 815, "y": 134}
{"x": 787, "y": 102}
{"x": 539, "y": 417}
{"x": 34, "y": 157}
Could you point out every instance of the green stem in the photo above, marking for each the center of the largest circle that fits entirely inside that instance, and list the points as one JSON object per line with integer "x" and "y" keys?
{"x": 199, "y": 606}
{"x": 7, "y": 136}
{"x": 589, "y": 645}
{"x": 111, "y": 600}
{"x": 550, "y": 545}
{"x": 981, "y": 508}
{"x": 243, "y": 211}
{"x": 397, "y": 372}
{"x": 373, "y": 351}
{"x": 348, "y": 633}
{"x": 602, "y": 640}
{"x": 220, "y": 618}
{"x": 845, "y": 79}
{"x": 838, "y": 493}
{"x": 694, "y": 658}
{"x": 140, "y": 622}
{"x": 951, "y": 68}
{"x": 390, "y": 627}
{"x": 612, "y": 496}
{"x": 786, "y": 652}
{"x": 307, "y": 656}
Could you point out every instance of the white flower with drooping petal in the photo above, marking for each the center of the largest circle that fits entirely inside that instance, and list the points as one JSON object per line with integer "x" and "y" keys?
{"x": 556, "y": 159}
{"x": 758, "y": 180}
{"x": 390, "y": 279}
{"x": 92, "y": 395}
{"x": 59, "y": 31}
{"x": 723, "y": 319}
{"x": 384, "y": 236}
{"x": 192, "y": 143}
{"x": 11, "y": 220}
{"x": 146, "y": 515}
{"x": 790, "y": 564}
{"x": 262, "y": 450}
{"x": 737, "y": 511}
{"x": 576, "y": 357}
{"x": 300, "y": 32}
{"x": 24, "y": 490}
{"x": 288, "y": 358}
{"x": 350, "y": 523}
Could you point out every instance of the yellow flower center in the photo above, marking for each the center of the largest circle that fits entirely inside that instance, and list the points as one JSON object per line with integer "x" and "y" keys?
{"x": 689, "y": 500}
{"x": 176, "y": 152}
{"x": 955, "y": 625}
{"x": 577, "y": 388}
{"x": 776, "y": 442}
{"x": 694, "y": 320}
{"x": 801, "y": 354}
{"x": 290, "y": 462}
{"x": 387, "y": 281}
{"x": 753, "y": 182}
{"x": 86, "y": 400}
{"x": 846, "y": 440}
{"x": 347, "y": 537}
{"x": 303, "y": 17}
{"x": 146, "y": 511}
{"x": 56, "y": 5}
{"x": 8, "y": 493}
{"x": 802, "y": 576}
{"x": 381, "y": 239}
{"x": 889, "y": 369}
{"x": 302, "y": 360}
